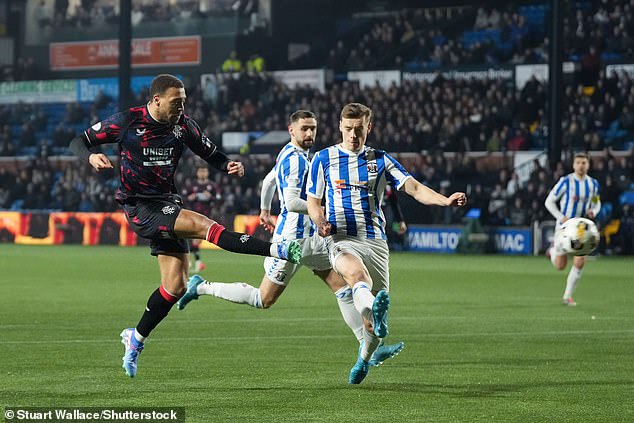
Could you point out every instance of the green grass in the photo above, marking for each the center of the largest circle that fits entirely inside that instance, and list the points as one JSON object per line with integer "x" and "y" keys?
{"x": 486, "y": 340}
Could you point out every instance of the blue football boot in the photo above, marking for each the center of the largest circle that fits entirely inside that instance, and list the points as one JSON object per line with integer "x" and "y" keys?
{"x": 191, "y": 293}
{"x": 359, "y": 371}
{"x": 132, "y": 350}
{"x": 384, "y": 352}
{"x": 379, "y": 312}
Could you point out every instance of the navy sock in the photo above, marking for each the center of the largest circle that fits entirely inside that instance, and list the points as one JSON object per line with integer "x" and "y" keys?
{"x": 237, "y": 242}
{"x": 158, "y": 306}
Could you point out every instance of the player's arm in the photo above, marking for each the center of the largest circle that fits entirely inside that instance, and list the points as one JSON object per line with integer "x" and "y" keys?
{"x": 292, "y": 171}
{"x": 85, "y": 144}
{"x": 429, "y": 197}
{"x": 398, "y": 177}
{"x": 266, "y": 198}
{"x": 595, "y": 202}
{"x": 294, "y": 203}
{"x": 202, "y": 146}
{"x": 315, "y": 188}
{"x": 316, "y": 213}
{"x": 552, "y": 198}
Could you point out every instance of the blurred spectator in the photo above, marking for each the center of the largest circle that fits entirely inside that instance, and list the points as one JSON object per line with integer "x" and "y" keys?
{"x": 74, "y": 113}
{"x": 232, "y": 63}
{"x": 624, "y": 238}
{"x": 255, "y": 64}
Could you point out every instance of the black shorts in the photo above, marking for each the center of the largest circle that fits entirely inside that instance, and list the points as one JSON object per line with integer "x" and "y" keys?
{"x": 154, "y": 219}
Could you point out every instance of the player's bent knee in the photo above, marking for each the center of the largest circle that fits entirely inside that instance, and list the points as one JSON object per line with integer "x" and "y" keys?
{"x": 175, "y": 289}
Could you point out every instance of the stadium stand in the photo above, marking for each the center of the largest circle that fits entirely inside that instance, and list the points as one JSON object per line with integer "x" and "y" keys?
{"x": 444, "y": 129}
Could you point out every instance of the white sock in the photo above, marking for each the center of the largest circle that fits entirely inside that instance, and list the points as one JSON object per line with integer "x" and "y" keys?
{"x": 363, "y": 300}
{"x": 350, "y": 314}
{"x": 239, "y": 292}
{"x": 139, "y": 337}
{"x": 370, "y": 344}
{"x": 571, "y": 282}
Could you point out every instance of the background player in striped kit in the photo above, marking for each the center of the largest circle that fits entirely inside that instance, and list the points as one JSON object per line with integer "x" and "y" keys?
{"x": 352, "y": 178}
{"x": 574, "y": 195}
{"x": 290, "y": 175}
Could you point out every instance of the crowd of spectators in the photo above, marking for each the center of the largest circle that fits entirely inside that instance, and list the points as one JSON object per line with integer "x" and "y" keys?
{"x": 417, "y": 39}
{"x": 606, "y": 25}
{"x": 452, "y": 115}
{"x": 88, "y": 13}
{"x": 447, "y": 114}
{"x": 491, "y": 183}
{"x": 420, "y": 117}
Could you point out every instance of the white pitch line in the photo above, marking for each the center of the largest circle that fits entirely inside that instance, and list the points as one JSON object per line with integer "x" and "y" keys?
{"x": 422, "y": 319}
{"x": 268, "y": 338}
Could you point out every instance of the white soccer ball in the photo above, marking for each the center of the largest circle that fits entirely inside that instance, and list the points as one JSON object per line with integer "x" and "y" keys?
{"x": 580, "y": 236}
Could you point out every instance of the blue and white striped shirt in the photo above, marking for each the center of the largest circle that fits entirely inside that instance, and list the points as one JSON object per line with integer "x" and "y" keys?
{"x": 575, "y": 196}
{"x": 291, "y": 171}
{"x": 354, "y": 184}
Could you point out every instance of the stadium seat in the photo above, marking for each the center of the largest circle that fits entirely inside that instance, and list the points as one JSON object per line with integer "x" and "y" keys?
{"x": 627, "y": 198}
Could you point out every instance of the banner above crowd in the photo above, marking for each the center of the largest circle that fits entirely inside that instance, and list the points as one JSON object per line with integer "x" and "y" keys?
{"x": 89, "y": 55}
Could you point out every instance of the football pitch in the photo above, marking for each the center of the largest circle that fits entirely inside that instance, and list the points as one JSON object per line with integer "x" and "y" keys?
{"x": 487, "y": 340}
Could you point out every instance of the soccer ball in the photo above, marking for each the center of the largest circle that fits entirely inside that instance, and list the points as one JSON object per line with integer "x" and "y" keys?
{"x": 580, "y": 236}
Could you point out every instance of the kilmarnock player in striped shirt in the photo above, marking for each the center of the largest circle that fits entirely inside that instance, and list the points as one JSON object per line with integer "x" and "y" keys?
{"x": 290, "y": 175}
{"x": 578, "y": 196}
{"x": 351, "y": 177}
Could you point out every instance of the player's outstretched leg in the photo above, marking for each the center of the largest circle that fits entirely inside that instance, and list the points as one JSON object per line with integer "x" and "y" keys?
{"x": 191, "y": 293}
{"x": 385, "y": 352}
{"x": 132, "y": 350}
{"x": 379, "y": 312}
{"x": 246, "y": 244}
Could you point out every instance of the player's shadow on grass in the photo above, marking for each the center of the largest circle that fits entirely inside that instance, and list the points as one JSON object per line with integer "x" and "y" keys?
{"x": 480, "y": 390}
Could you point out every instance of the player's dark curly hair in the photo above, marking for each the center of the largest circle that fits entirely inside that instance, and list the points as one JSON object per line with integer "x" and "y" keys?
{"x": 302, "y": 114}
{"x": 163, "y": 82}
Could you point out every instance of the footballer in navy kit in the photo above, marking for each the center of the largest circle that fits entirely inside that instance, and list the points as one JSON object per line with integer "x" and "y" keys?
{"x": 151, "y": 141}
{"x": 199, "y": 196}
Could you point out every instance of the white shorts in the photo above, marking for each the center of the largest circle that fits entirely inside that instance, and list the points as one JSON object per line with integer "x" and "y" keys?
{"x": 374, "y": 254}
{"x": 314, "y": 256}
{"x": 558, "y": 248}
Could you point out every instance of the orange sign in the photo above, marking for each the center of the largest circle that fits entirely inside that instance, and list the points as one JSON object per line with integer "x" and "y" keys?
{"x": 105, "y": 54}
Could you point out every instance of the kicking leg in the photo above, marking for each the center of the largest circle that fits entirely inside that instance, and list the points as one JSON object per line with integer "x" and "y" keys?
{"x": 194, "y": 225}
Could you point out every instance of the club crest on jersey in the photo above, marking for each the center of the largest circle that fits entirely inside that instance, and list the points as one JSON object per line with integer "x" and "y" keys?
{"x": 140, "y": 133}
{"x": 168, "y": 210}
{"x": 373, "y": 167}
{"x": 177, "y": 131}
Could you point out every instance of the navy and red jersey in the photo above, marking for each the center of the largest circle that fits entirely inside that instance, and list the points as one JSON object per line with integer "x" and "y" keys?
{"x": 149, "y": 150}
{"x": 205, "y": 194}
